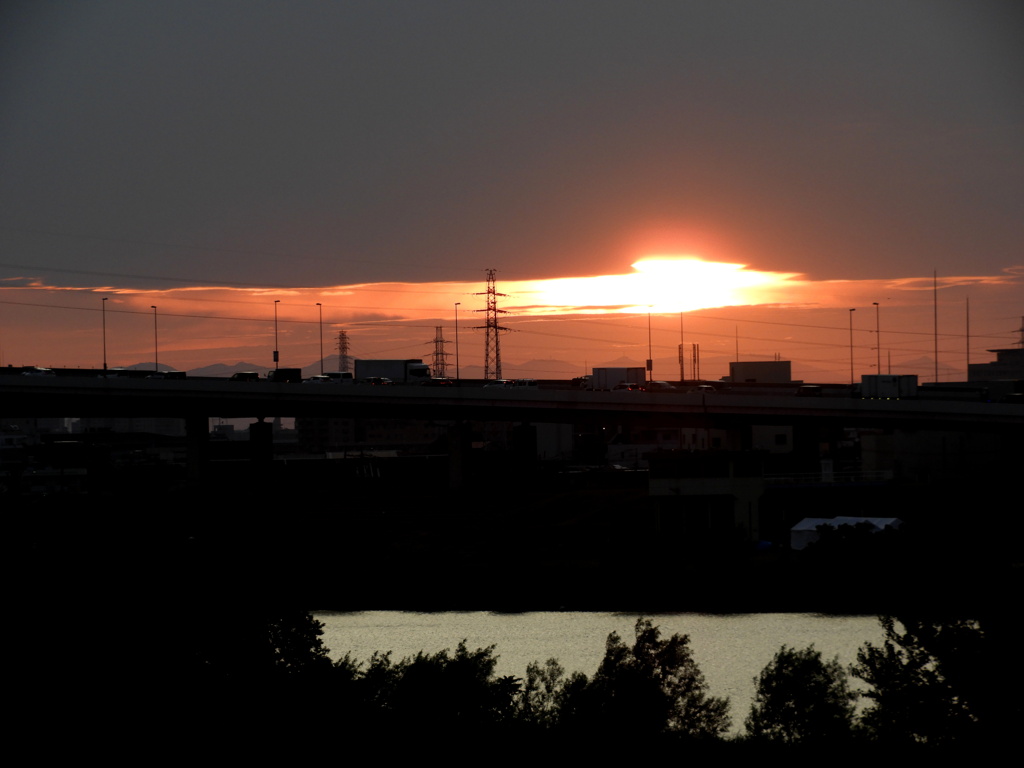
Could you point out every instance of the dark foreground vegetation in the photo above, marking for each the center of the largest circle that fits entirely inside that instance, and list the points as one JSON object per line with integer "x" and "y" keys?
{"x": 930, "y": 685}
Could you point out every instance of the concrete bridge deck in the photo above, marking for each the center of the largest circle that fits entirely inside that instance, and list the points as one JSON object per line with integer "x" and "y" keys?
{"x": 69, "y": 396}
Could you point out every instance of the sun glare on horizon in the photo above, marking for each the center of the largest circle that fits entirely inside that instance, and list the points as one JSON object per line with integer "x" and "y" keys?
{"x": 659, "y": 284}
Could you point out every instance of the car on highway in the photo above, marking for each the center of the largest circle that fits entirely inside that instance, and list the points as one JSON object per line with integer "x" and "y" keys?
{"x": 340, "y": 377}
{"x": 809, "y": 390}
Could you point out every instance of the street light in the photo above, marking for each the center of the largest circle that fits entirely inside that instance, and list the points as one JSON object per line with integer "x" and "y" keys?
{"x": 276, "y": 355}
{"x": 878, "y": 342}
{"x": 650, "y": 349}
{"x": 457, "y": 378}
{"x": 156, "y": 346}
{"x": 851, "y": 345}
{"x": 104, "y": 305}
{"x": 321, "y": 307}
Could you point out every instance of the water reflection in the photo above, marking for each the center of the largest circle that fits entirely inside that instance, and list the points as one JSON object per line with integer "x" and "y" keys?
{"x": 731, "y": 650}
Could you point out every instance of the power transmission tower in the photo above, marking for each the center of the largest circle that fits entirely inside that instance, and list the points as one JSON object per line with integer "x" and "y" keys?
{"x": 439, "y": 367}
{"x": 492, "y": 346}
{"x": 344, "y": 358}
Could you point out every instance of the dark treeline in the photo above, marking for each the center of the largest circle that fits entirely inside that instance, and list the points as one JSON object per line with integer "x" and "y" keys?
{"x": 930, "y": 684}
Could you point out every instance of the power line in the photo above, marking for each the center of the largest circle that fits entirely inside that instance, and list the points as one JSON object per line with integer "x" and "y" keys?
{"x": 206, "y": 249}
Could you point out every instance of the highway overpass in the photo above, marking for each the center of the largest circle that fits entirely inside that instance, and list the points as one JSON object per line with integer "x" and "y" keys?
{"x": 190, "y": 399}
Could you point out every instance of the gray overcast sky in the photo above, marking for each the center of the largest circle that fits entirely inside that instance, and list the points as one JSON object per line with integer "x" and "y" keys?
{"x": 320, "y": 143}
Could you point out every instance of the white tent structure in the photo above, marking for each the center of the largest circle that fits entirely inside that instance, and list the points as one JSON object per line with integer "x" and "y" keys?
{"x": 806, "y": 531}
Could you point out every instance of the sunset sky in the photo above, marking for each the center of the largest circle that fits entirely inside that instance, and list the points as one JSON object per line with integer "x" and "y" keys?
{"x": 762, "y": 167}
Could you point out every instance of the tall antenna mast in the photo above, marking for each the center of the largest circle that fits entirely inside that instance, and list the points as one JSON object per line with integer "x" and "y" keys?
{"x": 439, "y": 366}
{"x": 492, "y": 345}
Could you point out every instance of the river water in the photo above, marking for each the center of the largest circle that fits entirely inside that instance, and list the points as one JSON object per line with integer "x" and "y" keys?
{"x": 730, "y": 649}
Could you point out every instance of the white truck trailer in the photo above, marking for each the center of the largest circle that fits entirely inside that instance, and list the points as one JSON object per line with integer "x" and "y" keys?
{"x": 399, "y": 371}
{"x": 606, "y": 378}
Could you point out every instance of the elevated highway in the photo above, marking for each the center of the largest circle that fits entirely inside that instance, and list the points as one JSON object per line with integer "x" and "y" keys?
{"x": 190, "y": 399}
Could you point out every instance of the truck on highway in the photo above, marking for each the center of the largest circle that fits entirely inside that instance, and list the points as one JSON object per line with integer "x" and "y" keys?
{"x": 607, "y": 378}
{"x": 399, "y": 371}
{"x": 888, "y": 387}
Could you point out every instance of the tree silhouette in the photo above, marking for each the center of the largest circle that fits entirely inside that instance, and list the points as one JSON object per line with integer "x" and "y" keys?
{"x": 653, "y": 687}
{"x": 543, "y": 694}
{"x": 801, "y": 698}
{"x": 927, "y": 681}
{"x": 426, "y": 692}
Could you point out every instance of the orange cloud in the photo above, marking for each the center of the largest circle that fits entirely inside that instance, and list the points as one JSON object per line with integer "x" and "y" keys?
{"x": 56, "y": 325}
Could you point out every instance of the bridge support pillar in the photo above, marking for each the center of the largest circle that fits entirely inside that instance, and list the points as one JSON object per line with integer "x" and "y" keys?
{"x": 197, "y": 443}
{"x": 261, "y": 440}
{"x": 459, "y": 447}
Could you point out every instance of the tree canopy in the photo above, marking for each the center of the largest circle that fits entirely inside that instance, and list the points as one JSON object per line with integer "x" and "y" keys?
{"x": 927, "y": 680}
{"x": 655, "y": 686}
{"x": 799, "y": 697}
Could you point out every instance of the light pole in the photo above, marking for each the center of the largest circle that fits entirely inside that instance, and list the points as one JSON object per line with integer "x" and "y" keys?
{"x": 276, "y": 355}
{"x": 321, "y": 308}
{"x": 878, "y": 342}
{"x": 650, "y": 349}
{"x": 457, "y": 377}
{"x": 104, "y": 305}
{"x": 851, "y": 345}
{"x": 156, "y": 346}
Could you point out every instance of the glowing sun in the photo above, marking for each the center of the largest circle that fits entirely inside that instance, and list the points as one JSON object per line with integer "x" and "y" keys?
{"x": 658, "y": 284}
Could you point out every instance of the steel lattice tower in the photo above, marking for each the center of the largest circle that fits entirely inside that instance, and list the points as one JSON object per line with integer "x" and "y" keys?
{"x": 439, "y": 367}
{"x": 344, "y": 358}
{"x": 492, "y": 346}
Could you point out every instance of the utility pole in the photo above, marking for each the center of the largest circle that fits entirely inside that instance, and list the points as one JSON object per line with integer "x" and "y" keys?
{"x": 878, "y": 341}
{"x": 492, "y": 345}
{"x": 276, "y": 348}
{"x": 320, "y": 307}
{"x": 156, "y": 345}
{"x": 935, "y": 313}
{"x": 650, "y": 350}
{"x": 457, "y": 374}
{"x": 967, "y": 321}
{"x": 851, "y": 344}
{"x": 104, "y": 306}
{"x": 682, "y": 354}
